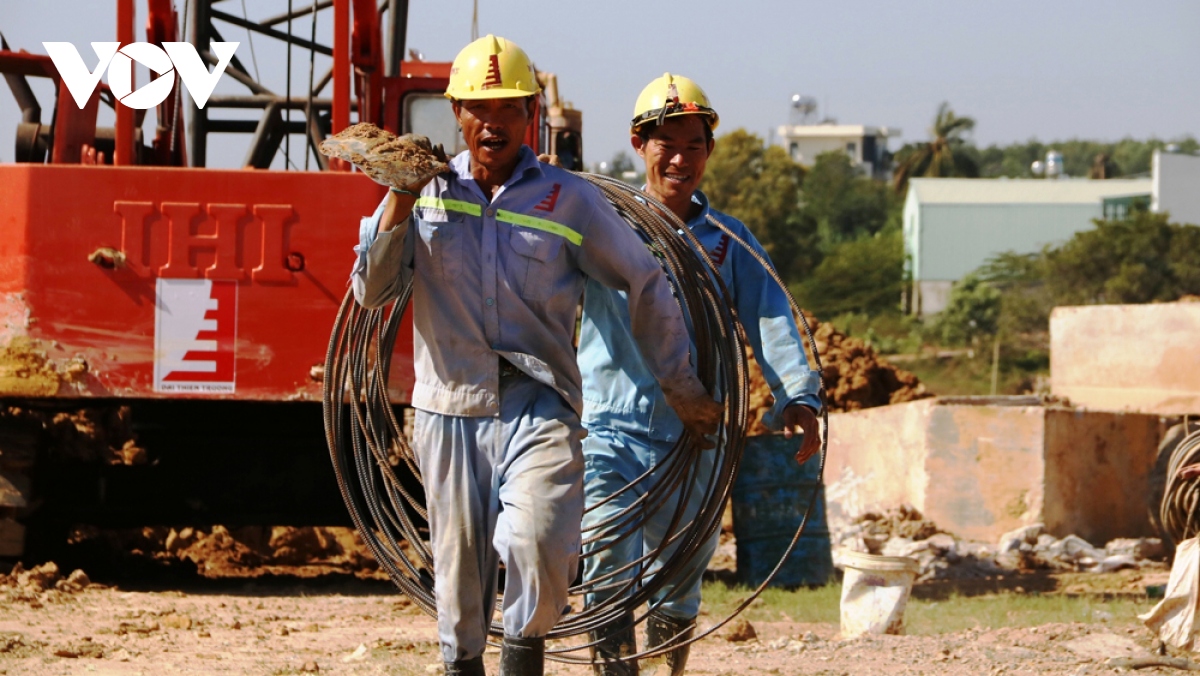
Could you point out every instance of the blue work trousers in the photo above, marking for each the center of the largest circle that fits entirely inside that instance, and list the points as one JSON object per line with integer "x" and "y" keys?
{"x": 506, "y": 489}
{"x": 613, "y": 460}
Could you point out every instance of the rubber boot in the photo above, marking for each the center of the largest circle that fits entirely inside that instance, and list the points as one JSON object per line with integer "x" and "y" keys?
{"x": 615, "y": 641}
{"x": 471, "y": 667}
{"x": 661, "y": 629}
{"x": 523, "y": 656}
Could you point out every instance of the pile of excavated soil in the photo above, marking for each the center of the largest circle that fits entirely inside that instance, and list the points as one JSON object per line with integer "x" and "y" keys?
{"x": 41, "y": 584}
{"x": 247, "y": 551}
{"x": 855, "y": 377}
{"x": 100, "y": 434}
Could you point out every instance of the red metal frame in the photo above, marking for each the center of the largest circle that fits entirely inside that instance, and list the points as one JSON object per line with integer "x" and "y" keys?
{"x": 83, "y": 247}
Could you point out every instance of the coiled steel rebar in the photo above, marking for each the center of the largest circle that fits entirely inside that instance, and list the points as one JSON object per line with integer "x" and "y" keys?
{"x": 1180, "y": 509}
{"x": 380, "y": 483}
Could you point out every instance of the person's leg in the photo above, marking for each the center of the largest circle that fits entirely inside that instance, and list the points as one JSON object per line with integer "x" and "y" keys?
{"x": 541, "y": 504}
{"x": 673, "y": 609}
{"x": 458, "y": 479}
{"x": 610, "y": 466}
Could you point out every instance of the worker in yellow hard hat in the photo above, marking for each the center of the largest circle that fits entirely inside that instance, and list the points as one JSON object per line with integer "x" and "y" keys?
{"x": 630, "y": 431}
{"x": 498, "y": 250}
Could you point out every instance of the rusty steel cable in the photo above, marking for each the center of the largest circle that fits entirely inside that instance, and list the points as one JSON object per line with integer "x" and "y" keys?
{"x": 380, "y": 482}
{"x": 1180, "y": 509}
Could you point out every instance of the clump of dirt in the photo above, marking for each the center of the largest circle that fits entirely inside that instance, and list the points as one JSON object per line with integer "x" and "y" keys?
{"x": 100, "y": 434}
{"x": 42, "y": 584}
{"x": 398, "y": 162}
{"x": 904, "y": 521}
{"x": 854, "y": 375}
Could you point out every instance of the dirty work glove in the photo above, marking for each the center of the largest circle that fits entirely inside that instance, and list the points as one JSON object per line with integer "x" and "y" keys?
{"x": 406, "y": 162}
{"x": 700, "y": 415}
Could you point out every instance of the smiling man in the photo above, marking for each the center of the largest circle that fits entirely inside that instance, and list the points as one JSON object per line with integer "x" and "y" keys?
{"x": 498, "y": 250}
{"x": 631, "y": 429}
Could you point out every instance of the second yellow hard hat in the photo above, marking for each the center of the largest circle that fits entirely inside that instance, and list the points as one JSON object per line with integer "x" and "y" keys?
{"x": 669, "y": 96}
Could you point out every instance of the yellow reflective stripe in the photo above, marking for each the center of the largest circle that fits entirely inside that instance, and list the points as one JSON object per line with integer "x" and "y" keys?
{"x": 449, "y": 205}
{"x": 540, "y": 224}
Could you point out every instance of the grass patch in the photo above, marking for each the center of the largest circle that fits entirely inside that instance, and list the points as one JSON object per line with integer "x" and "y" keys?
{"x": 965, "y": 375}
{"x": 957, "y": 613}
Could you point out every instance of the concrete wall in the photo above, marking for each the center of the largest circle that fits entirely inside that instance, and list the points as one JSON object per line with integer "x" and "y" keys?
{"x": 1097, "y": 468}
{"x": 979, "y": 467}
{"x": 1127, "y": 357}
{"x": 1177, "y": 186}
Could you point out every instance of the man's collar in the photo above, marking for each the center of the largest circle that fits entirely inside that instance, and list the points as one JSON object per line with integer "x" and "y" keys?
{"x": 526, "y": 161}
{"x": 697, "y": 198}
{"x": 701, "y": 217}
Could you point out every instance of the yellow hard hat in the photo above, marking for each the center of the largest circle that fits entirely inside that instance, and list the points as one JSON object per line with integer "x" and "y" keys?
{"x": 670, "y": 96}
{"x": 491, "y": 68}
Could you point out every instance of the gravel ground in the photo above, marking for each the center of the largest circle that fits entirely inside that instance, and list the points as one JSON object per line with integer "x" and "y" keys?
{"x": 351, "y": 626}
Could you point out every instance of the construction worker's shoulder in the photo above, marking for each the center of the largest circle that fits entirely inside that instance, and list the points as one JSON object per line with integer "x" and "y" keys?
{"x": 730, "y": 222}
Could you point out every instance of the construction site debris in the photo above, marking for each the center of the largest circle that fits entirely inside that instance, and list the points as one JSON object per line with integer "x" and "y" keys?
{"x": 942, "y": 556}
{"x": 101, "y": 434}
{"x": 397, "y": 162}
{"x": 246, "y": 551}
{"x": 854, "y": 375}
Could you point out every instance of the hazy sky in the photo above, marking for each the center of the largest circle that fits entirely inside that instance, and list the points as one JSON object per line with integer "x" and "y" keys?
{"x": 1023, "y": 68}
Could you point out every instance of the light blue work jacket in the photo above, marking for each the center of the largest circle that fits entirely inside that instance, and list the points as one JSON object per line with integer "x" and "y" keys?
{"x": 619, "y": 391}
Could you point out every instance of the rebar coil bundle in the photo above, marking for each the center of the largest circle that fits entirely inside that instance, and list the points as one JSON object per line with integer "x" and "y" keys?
{"x": 380, "y": 482}
{"x": 1180, "y": 509}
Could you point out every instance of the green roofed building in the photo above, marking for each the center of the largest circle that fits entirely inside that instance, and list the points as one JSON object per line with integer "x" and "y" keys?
{"x": 954, "y": 225}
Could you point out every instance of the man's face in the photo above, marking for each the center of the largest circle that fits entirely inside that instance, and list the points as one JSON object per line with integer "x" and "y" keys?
{"x": 675, "y": 154}
{"x": 494, "y": 129}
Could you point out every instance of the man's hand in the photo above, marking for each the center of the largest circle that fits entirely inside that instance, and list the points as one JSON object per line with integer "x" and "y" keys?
{"x": 800, "y": 419}
{"x": 700, "y": 416}
{"x": 552, "y": 160}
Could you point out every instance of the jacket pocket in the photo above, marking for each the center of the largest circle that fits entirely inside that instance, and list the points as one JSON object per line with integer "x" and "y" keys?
{"x": 442, "y": 234}
{"x": 531, "y": 270}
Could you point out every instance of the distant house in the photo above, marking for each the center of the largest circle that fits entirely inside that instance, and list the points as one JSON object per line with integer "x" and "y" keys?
{"x": 866, "y": 146}
{"x": 954, "y": 225}
{"x": 1177, "y": 186}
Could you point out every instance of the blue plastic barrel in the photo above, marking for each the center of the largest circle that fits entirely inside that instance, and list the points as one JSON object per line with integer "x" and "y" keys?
{"x": 770, "y": 494}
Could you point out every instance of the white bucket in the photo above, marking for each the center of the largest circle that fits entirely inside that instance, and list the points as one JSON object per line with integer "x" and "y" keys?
{"x": 874, "y": 593}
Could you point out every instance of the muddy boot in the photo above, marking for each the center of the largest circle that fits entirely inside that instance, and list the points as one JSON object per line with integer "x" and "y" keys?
{"x": 471, "y": 667}
{"x": 659, "y": 630}
{"x": 522, "y": 656}
{"x": 615, "y": 641}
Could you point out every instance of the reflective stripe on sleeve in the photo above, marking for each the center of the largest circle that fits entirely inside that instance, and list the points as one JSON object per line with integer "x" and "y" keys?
{"x": 449, "y": 205}
{"x": 540, "y": 224}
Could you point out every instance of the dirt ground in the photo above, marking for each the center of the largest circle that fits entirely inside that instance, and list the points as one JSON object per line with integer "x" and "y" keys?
{"x": 342, "y": 624}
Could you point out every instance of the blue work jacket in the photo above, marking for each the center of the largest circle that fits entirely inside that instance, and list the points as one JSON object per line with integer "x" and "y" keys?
{"x": 502, "y": 277}
{"x": 619, "y": 391}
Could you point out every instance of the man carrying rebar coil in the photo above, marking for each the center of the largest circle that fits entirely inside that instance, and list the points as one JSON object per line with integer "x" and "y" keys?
{"x": 630, "y": 427}
{"x": 499, "y": 249}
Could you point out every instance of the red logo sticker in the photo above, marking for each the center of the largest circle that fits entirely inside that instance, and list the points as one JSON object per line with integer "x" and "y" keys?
{"x": 493, "y": 74}
{"x": 551, "y": 199}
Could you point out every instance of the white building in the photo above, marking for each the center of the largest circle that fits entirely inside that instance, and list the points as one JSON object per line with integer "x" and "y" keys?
{"x": 1177, "y": 186}
{"x": 954, "y": 225}
{"x": 866, "y": 146}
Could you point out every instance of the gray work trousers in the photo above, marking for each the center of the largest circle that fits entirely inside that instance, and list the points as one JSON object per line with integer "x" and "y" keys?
{"x": 506, "y": 489}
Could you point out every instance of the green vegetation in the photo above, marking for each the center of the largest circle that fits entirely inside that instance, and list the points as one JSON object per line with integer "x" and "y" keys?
{"x": 761, "y": 185}
{"x": 956, "y": 613}
{"x": 835, "y": 237}
{"x": 1127, "y": 157}
{"x": 946, "y": 154}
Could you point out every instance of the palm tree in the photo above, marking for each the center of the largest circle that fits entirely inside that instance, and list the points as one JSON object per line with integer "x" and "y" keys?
{"x": 943, "y": 156}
